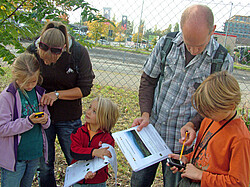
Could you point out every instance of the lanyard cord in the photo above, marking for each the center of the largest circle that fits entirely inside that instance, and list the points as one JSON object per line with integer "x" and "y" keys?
{"x": 196, "y": 149}
{"x": 29, "y": 103}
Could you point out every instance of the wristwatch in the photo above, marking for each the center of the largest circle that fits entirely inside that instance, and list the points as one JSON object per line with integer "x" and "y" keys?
{"x": 57, "y": 94}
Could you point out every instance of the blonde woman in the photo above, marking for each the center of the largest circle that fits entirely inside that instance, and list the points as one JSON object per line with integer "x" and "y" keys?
{"x": 221, "y": 156}
{"x": 100, "y": 117}
{"x": 68, "y": 77}
{"x": 22, "y": 137}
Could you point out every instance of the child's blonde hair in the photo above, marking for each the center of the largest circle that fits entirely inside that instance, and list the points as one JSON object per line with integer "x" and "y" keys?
{"x": 107, "y": 114}
{"x": 25, "y": 66}
{"x": 220, "y": 91}
{"x": 55, "y": 34}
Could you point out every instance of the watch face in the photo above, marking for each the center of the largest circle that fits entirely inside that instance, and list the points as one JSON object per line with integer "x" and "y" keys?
{"x": 57, "y": 94}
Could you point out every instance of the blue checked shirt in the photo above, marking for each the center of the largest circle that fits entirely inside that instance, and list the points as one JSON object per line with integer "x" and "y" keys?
{"x": 172, "y": 106}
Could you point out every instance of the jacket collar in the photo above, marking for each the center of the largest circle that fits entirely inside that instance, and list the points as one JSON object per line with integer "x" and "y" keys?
{"x": 85, "y": 128}
{"x": 13, "y": 89}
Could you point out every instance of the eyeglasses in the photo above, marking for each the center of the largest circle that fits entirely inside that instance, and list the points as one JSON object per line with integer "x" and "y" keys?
{"x": 45, "y": 47}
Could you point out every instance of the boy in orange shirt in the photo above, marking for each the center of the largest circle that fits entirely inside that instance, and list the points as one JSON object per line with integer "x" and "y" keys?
{"x": 221, "y": 156}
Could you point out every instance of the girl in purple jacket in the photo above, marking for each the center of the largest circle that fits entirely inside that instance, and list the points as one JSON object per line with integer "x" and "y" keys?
{"x": 22, "y": 138}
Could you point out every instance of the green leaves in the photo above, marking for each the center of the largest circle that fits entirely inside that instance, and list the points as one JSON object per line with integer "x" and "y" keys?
{"x": 20, "y": 20}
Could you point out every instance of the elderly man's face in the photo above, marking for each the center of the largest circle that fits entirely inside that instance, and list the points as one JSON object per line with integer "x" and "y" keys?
{"x": 196, "y": 40}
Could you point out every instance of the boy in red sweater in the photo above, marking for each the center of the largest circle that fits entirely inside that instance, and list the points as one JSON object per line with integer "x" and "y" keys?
{"x": 221, "y": 156}
{"x": 100, "y": 118}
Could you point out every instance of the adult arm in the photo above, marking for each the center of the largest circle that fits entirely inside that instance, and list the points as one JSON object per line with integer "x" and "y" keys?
{"x": 83, "y": 84}
{"x": 70, "y": 94}
{"x": 146, "y": 97}
{"x": 86, "y": 74}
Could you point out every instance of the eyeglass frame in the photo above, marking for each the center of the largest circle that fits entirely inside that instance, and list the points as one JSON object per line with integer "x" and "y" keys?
{"x": 49, "y": 48}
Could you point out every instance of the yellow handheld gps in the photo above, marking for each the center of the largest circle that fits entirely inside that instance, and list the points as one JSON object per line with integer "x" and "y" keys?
{"x": 39, "y": 114}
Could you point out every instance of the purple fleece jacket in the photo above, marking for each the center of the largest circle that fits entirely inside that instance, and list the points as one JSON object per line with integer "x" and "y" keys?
{"x": 12, "y": 125}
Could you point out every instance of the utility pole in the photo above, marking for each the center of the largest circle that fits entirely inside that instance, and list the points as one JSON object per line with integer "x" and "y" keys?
{"x": 139, "y": 30}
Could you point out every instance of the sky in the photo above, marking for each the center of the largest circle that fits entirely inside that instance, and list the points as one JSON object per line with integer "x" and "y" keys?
{"x": 161, "y": 13}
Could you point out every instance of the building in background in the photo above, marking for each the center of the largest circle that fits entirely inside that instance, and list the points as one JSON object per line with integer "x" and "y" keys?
{"x": 230, "y": 39}
{"x": 239, "y": 26}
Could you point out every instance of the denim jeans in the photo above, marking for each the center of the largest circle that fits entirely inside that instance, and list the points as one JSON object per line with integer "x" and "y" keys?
{"x": 90, "y": 185}
{"x": 23, "y": 176}
{"x": 63, "y": 130}
{"x": 145, "y": 177}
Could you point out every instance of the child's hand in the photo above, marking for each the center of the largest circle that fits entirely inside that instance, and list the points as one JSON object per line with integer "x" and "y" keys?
{"x": 192, "y": 172}
{"x": 102, "y": 152}
{"x": 90, "y": 175}
{"x": 42, "y": 120}
{"x": 176, "y": 156}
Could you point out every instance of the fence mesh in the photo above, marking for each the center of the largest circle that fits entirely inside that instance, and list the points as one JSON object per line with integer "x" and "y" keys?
{"x": 122, "y": 69}
{"x": 118, "y": 71}
{"x": 152, "y": 19}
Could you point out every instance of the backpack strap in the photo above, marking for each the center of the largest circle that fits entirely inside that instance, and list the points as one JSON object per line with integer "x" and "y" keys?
{"x": 76, "y": 55}
{"x": 164, "y": 53}
{"x": 218, "y": 59}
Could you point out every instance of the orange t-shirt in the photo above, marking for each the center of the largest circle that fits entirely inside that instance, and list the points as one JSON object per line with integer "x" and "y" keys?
{"x": 91, "y": 133}
{"x": 226, "y": 158}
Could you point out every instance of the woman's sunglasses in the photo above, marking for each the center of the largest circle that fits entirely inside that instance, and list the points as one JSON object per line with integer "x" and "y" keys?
{"x": 45, "y": 47}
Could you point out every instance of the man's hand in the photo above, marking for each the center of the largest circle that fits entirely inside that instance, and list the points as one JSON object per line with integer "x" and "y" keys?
{"x": 189, "y": 127}
{"x": 102, "y": 152}
{"x": 143, "y": 121}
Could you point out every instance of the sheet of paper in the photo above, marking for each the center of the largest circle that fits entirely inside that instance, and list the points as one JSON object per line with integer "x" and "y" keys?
{"x": 143, "y": 148}
{"x": 78, "y": 170}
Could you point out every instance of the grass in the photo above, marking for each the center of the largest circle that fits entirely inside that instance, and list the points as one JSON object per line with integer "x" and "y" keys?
{"x": 241, "y": 66}
{"x": 129, "y": 109}
{"x": 127, "y": 102}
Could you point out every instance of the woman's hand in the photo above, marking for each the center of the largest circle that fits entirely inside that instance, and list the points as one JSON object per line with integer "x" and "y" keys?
{"x": 42, "y": 120}
{"x": 48, "y": 99}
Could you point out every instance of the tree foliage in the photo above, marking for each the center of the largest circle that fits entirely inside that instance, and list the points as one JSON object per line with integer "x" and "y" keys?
{"x": 97, "y": 29}
{"x": 24, "y": 19}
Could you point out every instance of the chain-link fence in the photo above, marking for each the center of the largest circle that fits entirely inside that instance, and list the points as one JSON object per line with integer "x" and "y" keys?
{"x": 152, "y": 19}
{"x": 120, "y": 52}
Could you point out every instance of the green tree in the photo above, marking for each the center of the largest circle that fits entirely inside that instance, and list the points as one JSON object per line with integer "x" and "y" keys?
{"x": 176, "y": 27}
{"x": 97, "y": 30}
{"x": 23, "y": 19}
{"x": 147, "y": 33}
{"x": 135, "y": 37}
{"x": 157, "y": 31}
{"x": 167, "y": 30}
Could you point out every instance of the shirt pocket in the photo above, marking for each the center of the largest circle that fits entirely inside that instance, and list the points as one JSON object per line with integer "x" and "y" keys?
{"x": 194, "y": 83}
{"x": 170, "y": 67}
